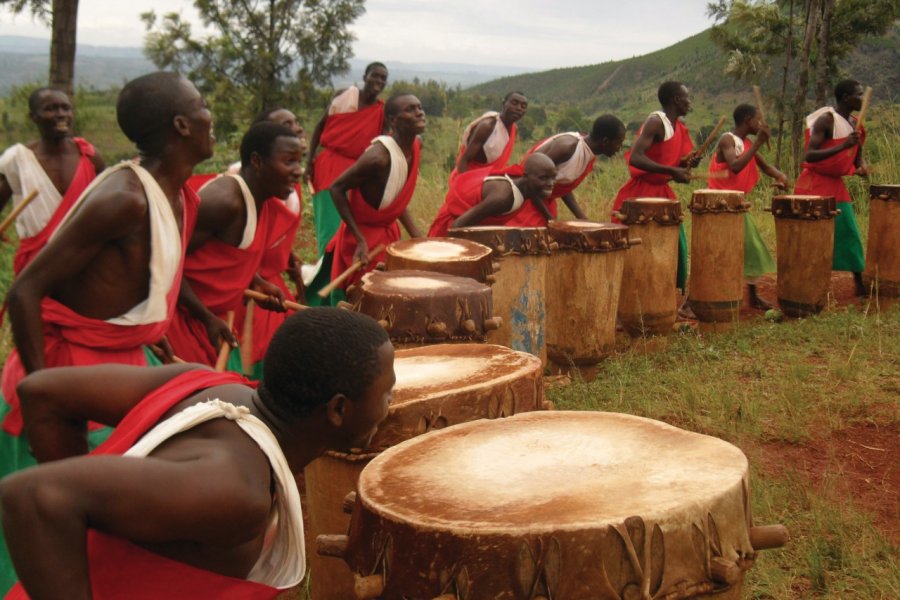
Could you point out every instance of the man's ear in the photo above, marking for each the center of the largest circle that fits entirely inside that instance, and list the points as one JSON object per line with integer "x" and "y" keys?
{"x": 256, "y": 160}
{"x": 181, "y": 125}
{"x": 337, "y": 409}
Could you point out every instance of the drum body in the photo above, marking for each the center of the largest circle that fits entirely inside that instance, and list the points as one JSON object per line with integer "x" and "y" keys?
{"x": 585, "y": 276}
{"x": 437, "y": 386}
{"x": 647, "y": 302}
{"x": 882, "y": 272}
{"x": 564, "y": 505}
{"x": 804, "y": 236}
{"x": 422, "y": 307}
{"x": 717, "y": 255}
{"x": 519, "y": 290}
{"x": 462, "y": 258}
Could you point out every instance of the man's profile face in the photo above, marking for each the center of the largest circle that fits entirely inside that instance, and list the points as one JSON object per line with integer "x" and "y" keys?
{"x": 372, "y": 408}
{"x": 410, "y": 117}
{"x": 282, "y": 169}
{"x": 199, "y": 117}
{"x": 682, "y": 101}
{"x": 853, "y": 100}
{"x": 285, "y": 117}
{"x": 539, "y": 180}
{"x": 611, "y": 146}
{"x": 514, "y": 107}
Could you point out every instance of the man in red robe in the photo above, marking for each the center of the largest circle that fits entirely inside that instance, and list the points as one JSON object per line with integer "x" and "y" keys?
{"x": 488, "y": 141}
{"x": 574, "y": 155}
{"x": 354, "y": 118}
{"x": 662, "y": 152}
{"x": 373, "y": 194}
{"x": 204, "y": 502}
{"x": 834, "y": 150}
{"x": 57, "y": 166}
{"x": 504, "y": 197}
{"x": 236, "y": 215}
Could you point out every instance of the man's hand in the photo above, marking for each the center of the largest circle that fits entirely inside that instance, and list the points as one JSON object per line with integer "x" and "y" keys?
{"x": 681, "y": 175}
{"x": 852, "y": 140}
{"x": 764, "y": 135}
{"x": 218, "y": 332}
{"x": 163, "y": 351}
{"x": 862, "y": 170}
{"x": 275, "y": 301}
{"x": 690, "y": 161}
{"x": 361, "y": 252}
{"x": 296, "y": 275}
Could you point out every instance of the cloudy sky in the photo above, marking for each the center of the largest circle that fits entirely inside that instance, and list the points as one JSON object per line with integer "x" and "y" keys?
{"x": 523, "y": 33}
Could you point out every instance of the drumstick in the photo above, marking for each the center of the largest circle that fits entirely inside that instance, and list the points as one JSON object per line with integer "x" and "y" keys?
{"x": 867, "y": 98}
{"x": 225, "y": 348}
{"x": 247, "y": 340}
{"x": 157, "y": 350}
{"x": 15, "y": 212}
{"x": 757, "y": 94}
{"x": 711, "y": 175}
{"x": 350, "y": 270}
{"x": 259, "y": 297}
{"x": 712, "y": 136}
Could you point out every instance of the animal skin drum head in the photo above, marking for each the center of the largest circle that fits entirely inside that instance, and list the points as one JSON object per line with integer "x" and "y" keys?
{"x": 436, "y": 250}
{"x": 550, "y": 471}
{"x": 719, "y": 192}
{"x": 415, "y": 283}
{"x": 652, "y": 200}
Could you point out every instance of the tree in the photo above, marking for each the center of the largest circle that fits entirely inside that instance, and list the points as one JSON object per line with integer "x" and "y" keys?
{"x": 265, "y": 49}
{"x": 62, "y": 16}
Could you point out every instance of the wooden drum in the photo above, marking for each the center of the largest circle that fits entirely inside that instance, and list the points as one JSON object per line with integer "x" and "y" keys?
{"x": 585, "y": 274}
{"x": 519, "y": 290}
{"x": 436, "y": 386}
{"x": 554, "y": 505}
{"x": 804, "y": 236}
{"x": 647, "y": 302}
{"x": 422, "y": 307}
{"x": 882, "y": 272}
{"x": 462, "y": 258}
{"x": 717, "y": 255}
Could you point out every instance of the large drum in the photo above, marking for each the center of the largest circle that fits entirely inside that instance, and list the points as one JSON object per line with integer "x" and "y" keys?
{"x": 436, "y": 386}
{"x": 462, "y": 258}
{"x": 804, "y": 237}
{"x": 717, "y": 255}
{"x": 423, "y": 307}
{"x": 520, "y": 286}
{"x": 555, "y": 505}
{"x": 585, "y": 274}
{"x": 648, "y": 302}
{"x": 882, "y": 272}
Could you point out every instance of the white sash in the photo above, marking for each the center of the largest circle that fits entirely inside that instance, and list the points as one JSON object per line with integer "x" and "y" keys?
{"x": 250, "y": 204}
{"x": 495, "y": 144}
{"x": 25, "y": 174}
{"x": 518, "y": 198}
{"x": 345, "y": 102}
{"x": 667, "y": 124}
{"x": 399, "y": 171}
{"x": 571, "y": 169}
{"x": 738, "y": 143}
{"x": 842, "y": 127}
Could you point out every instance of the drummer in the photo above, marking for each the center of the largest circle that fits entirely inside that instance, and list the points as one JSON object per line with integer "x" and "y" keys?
{"x": 512, "y": 197}
{"x": 202, "y": 501}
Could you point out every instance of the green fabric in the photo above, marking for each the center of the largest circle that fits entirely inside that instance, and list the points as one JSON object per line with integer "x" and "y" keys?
{"x": 322, "y": 278}
{"x": 257, "y": 372}
{"x": 337, "y": 296}
{"x": 681, "y": 277}
{"x": 757, "y": 260}
{"x": 848, "y": 248}
{"x": 327, "y": 219}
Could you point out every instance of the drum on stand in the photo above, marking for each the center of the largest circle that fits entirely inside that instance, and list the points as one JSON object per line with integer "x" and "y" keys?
{"x": 585, "y": 274}
{"x": 437, "y": 386}
{"x": 716, "y": 287}
{"x": 548, "y": 505}
{"x": 804, "y": 236}
{"x": 520, "y": 286}
{"x": 882, "y": 274}
{"x": 424, "y": 307}
{"x": 462, "y": 258}
{"x": 648, "y": 302}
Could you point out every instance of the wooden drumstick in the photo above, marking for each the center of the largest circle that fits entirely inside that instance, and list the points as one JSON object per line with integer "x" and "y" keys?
{"x": 350, "y": 271}
{"x": 711, "y": 137}
{"x": 225, "y": 348}
{"x": 159, "y": 351}
{"x": 711, "y": 175}
{"x": 260, "y": 297}
{"x": 867, "y": 98}
{"x": 247, "y": 340}
{"x": 757, "y": 95}
{"x": 15, "y": 212}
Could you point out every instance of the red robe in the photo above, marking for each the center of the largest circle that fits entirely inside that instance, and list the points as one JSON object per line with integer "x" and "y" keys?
{"x": 655, "y": 185}
{"x": 823, "y": 178}
{"x": 560, "y": 189}
{"x": 466, "y": 191}
{"x": 72, "y": 339}
{"x": 195, "y": 182}
{"x": 344, "y": 138}
{"x": 218, "y": 273}
{"x": 743, "y": 181}
{"x": 84, "y": 175}
{"x": 377, "y": 226}
{"x": 497, "y": 163}
{"x": 120, "y": 569}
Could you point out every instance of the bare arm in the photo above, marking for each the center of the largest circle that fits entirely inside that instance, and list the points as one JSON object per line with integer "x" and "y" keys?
{"x": 569, "y": 200}
{"x": 497, "y": 200}
{"x": 371, "y": 165}
{"x": 99, "y": 163}
{"x": 819, "y": 134}
{"x": 652, "y": 132}
{"x": 475, "y": 144}
{"x": 6, "y": 192}
{"x": 410, "y": 224}
{"x": 780, "y": 178}
{"x": 314, "y": 147}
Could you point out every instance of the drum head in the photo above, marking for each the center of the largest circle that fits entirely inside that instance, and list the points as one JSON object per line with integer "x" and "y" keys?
{"x": 439, "y": 250}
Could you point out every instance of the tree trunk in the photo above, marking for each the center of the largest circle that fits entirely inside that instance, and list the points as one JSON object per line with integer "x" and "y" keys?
{"x": 822, "y": 83}
{"x": 782, "y": 100}
{"x": 798, "y": 110}
{"x": 62, "y": 45}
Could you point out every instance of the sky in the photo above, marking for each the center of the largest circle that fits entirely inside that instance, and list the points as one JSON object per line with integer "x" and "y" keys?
{"x": 534, "y": 34}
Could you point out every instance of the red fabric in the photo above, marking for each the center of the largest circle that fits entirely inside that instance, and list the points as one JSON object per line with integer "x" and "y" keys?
{"x": 344, "y": 138}
{"x": 274, "y": 262}
{"x": 195, "y": 182}
{"x": 655, "y": 185}
{"x": 218, "y": 274}
{"x": 71, "y": 339}
{"x": 560, "y": 189}
{"x": 120, "y": 569}
{"x": 743, "y": 181}
{"x": 377, "y": 226}
{"x": 465, "y": 192}
{"x": 498, "y": 163}
{"x": 823, "y": 178}
{"x": 85, "y": 173}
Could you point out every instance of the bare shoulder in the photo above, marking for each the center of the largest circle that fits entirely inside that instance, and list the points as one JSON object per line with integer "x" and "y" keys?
{"x": 121, "y": 194}
{"x": 222, "y": 194}
{"x": 824, "y": 122}
{"x": 376, "y": 156}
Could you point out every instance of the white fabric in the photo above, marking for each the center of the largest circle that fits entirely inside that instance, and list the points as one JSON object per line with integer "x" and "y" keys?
{"x": 738, "y": 143}
{"x": 24, "y": 173}
{"x": 282, "y": 562}
{"x": 165, "y": 245}
{"x": 399, "y": 171}
{"x": 667, "y": 124}
{"x": 518, "y": 198}
{"x": 571, "y": 169}
{"x": 250, "y": 204}
{"x": 345, "y": 102}
{"x": 493, "y": 147}
{"x": 842, "y": 127}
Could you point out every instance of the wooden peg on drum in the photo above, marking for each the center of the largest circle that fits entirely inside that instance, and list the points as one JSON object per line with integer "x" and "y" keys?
{"x": 337, "y": 281}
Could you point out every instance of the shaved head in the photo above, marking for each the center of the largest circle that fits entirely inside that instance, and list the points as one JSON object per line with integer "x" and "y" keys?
{"x": 538, "y": 162}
